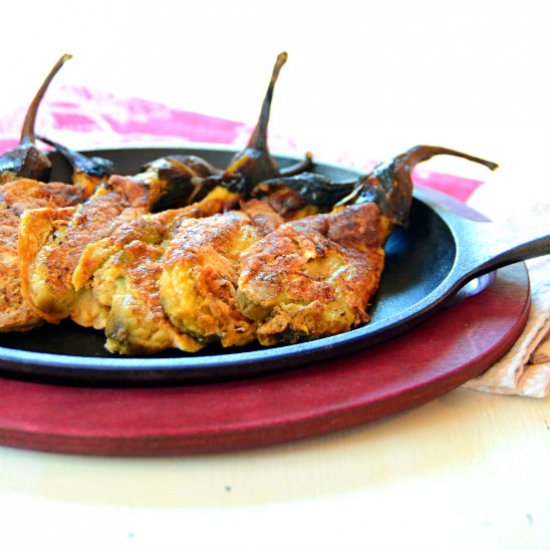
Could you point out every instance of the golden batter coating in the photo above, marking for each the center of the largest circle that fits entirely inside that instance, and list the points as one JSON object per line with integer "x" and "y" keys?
{"x": 314, "y": 277}
{"x": 135, "y": 322}
{"x": 198, "y": 284}
{"x": 16, "y": 197}
{"x": 118, "y": 279}
{"x": 187, "y": 277}
{"x": 148, "y": 228}
{"x": 235, "y": 277}
{"x": 25, "y": 194}
{"x": 76, "y": 261}
{"x": 52, "y": 250}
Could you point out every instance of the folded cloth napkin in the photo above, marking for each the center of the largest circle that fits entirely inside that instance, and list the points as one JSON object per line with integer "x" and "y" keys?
{"x": 83, "y": 118}
{"x": 525, "y": 369}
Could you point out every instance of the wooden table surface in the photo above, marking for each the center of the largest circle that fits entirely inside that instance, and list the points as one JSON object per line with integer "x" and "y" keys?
{"x": 467, "y": 470}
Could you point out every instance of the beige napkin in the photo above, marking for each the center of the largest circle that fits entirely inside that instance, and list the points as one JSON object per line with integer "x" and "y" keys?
{"x": 525, "y": 369}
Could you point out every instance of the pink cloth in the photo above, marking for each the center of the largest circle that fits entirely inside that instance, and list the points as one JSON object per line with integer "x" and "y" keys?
{"x": 80, "y": 117}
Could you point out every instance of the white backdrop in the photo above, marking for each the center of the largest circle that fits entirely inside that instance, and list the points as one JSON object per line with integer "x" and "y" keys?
{"x": 368, "y": 77}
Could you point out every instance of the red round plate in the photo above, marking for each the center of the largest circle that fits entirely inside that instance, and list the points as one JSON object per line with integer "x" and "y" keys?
{"x": 455, "y": 345}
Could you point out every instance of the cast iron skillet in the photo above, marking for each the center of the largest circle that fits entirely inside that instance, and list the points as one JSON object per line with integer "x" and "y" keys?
{"x": 426, "y": 266}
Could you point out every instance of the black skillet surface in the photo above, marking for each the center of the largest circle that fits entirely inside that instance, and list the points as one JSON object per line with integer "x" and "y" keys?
{"x": 425, "y": 267}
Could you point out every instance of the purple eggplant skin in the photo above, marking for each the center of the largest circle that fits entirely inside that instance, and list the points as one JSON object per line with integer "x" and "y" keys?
{"x": 254, "y": 163}
{"x": 26, "y": 160}
{"x": 308, "y": 188}
{"x": 178, "y": 180}
{"x": 88, "y": 172}
{"x": 390, "y": 184}
{"x": 94, "y": 166}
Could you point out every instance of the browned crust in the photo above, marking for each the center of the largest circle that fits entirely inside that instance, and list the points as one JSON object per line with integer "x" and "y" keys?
{"x": 203, "y": 258}
{"x": 313, "y": 277}
{"x": 139, "y": 265}
{"x": 16, "y": 198}
{"x": 35, "y": 228}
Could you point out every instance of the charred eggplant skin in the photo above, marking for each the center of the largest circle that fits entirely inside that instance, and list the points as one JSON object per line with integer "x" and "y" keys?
{"x": 26, "y": 160}
{"x": 390, "y": 184}
{"x": 255, "y": 163}
{"x": 93, "y": 166}
{"x": 178, "y": 180}
{"x": 88, "y": 172}
{"x": 305, "y": 189}
{"x": 182, "y": 179}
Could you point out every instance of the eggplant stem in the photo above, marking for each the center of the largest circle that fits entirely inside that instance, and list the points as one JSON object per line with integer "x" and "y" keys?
{"x": 27, "y": 132}
{"x": 390, "y": 184}
{"x": 421, "y": 153}
{"x": 258, "y": 139}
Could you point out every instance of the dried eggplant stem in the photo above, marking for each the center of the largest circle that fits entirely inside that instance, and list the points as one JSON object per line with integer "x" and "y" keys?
{"x": 26, "y": 161}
